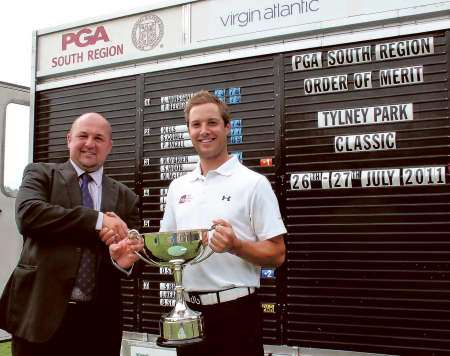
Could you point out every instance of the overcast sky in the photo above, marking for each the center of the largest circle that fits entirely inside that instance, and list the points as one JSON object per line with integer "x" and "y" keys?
{"x": 18, "y": 18}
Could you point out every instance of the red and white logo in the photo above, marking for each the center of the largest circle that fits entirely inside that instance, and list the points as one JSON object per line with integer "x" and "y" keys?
{"x": 185, "y": 198}
{"x": 84, "y": 37}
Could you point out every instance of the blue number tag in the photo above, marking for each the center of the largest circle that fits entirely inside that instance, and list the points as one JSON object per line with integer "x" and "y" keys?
{"x": 235, "y": 99}
{"x": 234, "y": 91}
{"x": 267, "y": 273}
{"x": 237, "y": 131}
{"x": 220, "y": 93}
{"x": 238, "y": 154}
{"x": 235, "y": 139}
{"x": 236, "y": 123}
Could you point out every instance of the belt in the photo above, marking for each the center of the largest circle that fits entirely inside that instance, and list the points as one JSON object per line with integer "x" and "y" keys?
{"x": 210, "y": 298}
{"x": 79, "y": 302}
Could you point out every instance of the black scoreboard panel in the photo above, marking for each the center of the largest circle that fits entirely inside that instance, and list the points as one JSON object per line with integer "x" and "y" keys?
{"x": 367, "y": 196}
{"x": 248, "y": 87}
{"x": 355, "y": 141}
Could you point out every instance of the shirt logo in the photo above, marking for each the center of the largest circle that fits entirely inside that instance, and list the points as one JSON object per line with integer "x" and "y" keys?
{"x": 227, "y": 198}
{"x": 185, "y": 198}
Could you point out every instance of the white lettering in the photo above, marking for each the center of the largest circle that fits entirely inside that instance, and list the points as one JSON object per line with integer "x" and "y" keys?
{"x": 401, "y": 76}
{"x": 380, "y": 178}
{"x": 323, "y": 85}
{"x": 344, "y": 56}
{"x": 367, "y": 142}
{"x": 173, "y": 129}
{"x": 182, "y": 167}
{"x": 423, "y": 175}
{"x": 300, "y": 181}
{"x": 171, "y": 175}
{"x": 336, "y": 180}
{"x": 406, "y": 48}
{"x": 178, "y": 159}
{"x": 307, "y": 61}
{"x": 363, "y": 116}
{"x": 176, "y": 144}
{"x": 362, "y": 80}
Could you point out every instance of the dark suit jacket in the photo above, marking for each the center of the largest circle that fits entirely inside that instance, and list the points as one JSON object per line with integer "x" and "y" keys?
{"x": 55, "y": 227}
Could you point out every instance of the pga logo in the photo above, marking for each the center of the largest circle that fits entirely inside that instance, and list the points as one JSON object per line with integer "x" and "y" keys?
{"x": 84, "y": 37}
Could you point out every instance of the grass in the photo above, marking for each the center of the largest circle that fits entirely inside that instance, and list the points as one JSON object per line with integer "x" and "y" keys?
{"x": 5, "y": 349}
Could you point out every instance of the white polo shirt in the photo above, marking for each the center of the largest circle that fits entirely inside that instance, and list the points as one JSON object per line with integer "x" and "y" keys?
{"x": 232, "y": 192}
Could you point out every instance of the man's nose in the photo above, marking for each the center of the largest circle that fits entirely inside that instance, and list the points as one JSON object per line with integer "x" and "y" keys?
{"x": 204, "y": 128}
{"x": 90, "y": 142}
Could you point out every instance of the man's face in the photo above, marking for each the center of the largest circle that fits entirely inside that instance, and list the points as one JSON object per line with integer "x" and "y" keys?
{"x": 89, "y": 141}
{"x": 208, "y": 132}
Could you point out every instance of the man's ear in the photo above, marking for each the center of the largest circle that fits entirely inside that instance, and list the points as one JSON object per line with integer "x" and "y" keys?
{"x": 110, "y": 146}
{"x": 68, "y": 138}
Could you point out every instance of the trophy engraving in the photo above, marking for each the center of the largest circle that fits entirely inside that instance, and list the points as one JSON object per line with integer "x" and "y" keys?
{"x": 174, "y": 250}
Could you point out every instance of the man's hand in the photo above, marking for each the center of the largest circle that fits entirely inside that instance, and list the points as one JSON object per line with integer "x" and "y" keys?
{"x": 223, "y": 238}
{"x": 268, "y": 253}
{"x": 108, "y": 236}
{"x": 113, "y": 222}
{"x": 123, "y": 252}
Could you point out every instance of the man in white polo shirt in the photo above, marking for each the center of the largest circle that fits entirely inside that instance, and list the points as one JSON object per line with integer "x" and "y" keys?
{"x": 248, "y": 233}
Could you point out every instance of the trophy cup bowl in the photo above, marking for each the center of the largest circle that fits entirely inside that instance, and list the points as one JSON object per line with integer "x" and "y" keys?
{"x": 175, "y": 250}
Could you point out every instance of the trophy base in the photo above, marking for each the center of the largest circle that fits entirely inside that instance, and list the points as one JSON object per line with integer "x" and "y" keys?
{"x": 178, "y": 343}
{"x": 179, "y": 332}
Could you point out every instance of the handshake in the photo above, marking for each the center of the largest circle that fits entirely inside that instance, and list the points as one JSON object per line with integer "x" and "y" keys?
{"x": 114, "y": 234}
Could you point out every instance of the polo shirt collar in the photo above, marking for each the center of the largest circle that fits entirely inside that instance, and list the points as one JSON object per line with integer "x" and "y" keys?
{"x": 226, "y": 169}
{"x": 96, "y": 175}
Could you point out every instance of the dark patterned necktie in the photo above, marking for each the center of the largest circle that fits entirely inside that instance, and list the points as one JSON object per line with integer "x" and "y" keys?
{"x": 85, "y": 280}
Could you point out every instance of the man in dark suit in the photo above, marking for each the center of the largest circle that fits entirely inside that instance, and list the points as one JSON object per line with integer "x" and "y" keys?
{"x": 63, "y": 297}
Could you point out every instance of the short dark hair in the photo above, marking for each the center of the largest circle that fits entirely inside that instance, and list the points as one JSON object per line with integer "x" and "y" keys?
{"x": 205, "y": 97}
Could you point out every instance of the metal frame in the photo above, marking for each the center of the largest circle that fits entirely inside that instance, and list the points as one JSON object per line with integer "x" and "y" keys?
{"x": 16, "y": 96}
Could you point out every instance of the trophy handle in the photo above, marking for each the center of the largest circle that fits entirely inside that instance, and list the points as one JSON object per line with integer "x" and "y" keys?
{"x": 194, "y": 262}
{"x": 135, "y": 235}
{"x": 201, "y": 257}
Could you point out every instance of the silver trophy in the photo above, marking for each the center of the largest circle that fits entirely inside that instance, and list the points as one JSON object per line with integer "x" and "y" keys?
{"x": 182, "y": 325}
